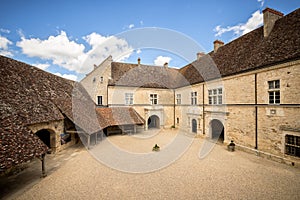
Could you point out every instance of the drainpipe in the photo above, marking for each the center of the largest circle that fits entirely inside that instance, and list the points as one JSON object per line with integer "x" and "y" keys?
{"x": 203, "y": 107}
{"x": 174, "y": 106}
{"x": 256, "y": 111}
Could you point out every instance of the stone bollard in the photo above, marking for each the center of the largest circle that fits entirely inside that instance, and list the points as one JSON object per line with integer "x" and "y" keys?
{"x": 231, "y": 146}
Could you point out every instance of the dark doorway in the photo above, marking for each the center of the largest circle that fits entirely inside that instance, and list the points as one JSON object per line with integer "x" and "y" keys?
{"x": 153, "y": 122}
{"x": 194, "y": 126}
{"x": 44, "y": 135}
{"x": 217, "y": 130}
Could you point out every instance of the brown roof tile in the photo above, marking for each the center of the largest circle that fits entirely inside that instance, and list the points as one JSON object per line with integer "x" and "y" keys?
{"x": 114, "y": 116}
{"x": 29, "y": 96}
{"x": 251, "y": 51}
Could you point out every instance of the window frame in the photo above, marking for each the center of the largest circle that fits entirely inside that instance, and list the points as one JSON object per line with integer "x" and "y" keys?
{"x": 215, "y": 96}
{"x": 292, "y": 145}
{"x": 178, "y": 99}
{"x": 153, "y": 99}
{"x": 100, "y": 97}
{"x": 274, "y": 92}
{"x": 194, "y": 98}
{"x": 128, "y": 98}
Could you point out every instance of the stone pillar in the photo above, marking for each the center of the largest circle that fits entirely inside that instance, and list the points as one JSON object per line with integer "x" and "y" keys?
{"x": 43, "y": 166}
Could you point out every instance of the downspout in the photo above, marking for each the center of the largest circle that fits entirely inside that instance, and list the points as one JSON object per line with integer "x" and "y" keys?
{"x": 203, "y": 107}
{"x": 174, "y": 106}
{"x": 256, "y": 111}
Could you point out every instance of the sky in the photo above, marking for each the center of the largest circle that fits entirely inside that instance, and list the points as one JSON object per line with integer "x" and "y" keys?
{"x": 69, "y": 37}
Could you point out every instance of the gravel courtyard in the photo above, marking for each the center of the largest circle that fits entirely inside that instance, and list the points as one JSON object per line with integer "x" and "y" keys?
{"x": 220, "y": 175}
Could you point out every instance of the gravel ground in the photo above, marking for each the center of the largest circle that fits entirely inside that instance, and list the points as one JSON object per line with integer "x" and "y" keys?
{"x": 220, "y": 175}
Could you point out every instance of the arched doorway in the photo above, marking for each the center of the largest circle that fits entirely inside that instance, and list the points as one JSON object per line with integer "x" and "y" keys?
{"x": 45, "y": 136}
{"x": 217, "y": 130}
{"x": 194, "y": 126}
{"x": 153, "y": 122}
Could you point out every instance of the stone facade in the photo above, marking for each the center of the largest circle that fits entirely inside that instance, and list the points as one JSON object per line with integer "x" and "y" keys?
{"x": 243, "y": 95}
{"x": 96, "y": 81}
{"x": 55, "y": 129}
{"x": 242, "y": 105}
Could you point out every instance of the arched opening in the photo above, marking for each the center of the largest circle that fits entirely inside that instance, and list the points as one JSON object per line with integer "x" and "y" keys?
{"x": 153, "y": 122}
{"x": 44, "y": 135}
{"x": 217, "y": 130}
{"x": 194, "y": 126}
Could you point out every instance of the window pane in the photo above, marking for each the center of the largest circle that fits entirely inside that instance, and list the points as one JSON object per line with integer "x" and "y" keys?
{"x": 209, "y": 92}
{"x": 271, "y": 97}
{"x": 209, "y": 100}
{"x": 214, "y": 100}
{"x": 277, "y": 84}
{"x": 215, "y": 91}
{"x": 220, "y": 90}
{"x": 220, "y": 99}
{"x": 271, "y": 85}
{"x": 298, "y": 141}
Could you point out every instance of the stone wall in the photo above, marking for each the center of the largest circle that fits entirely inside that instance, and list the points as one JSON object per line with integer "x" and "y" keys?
{"x": 141, "y": 102}
{"x": 55, "y": 128}
{"x": 94, "y": 84}
{"x": 238, "y": 115}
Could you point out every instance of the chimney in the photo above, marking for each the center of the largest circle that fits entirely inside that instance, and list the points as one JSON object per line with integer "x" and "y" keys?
{"x": 166, "y": 65}
{"x": 139, "y": 61}
{"x": 200, "y": 55}
{"x": 270, "y": 17}
{"x": 217, "y": 45}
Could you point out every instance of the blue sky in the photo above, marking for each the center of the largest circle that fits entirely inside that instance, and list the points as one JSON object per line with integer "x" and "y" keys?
{"x": 60, "y": 36}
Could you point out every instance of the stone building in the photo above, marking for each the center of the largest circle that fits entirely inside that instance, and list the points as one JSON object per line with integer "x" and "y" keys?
{"x": 43, "y": 113}
{"x": 246, "y": 91}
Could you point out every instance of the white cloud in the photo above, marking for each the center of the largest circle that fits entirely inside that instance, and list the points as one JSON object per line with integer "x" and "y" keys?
{"x": 102, "y": 47}
{"x": 4, "y": 42}
{"x": 42, "y": 66}
{"x": 4, "y": 30}
{"x": 131, "y": 26}
{"x": 141, "y": 23}
{"x": 138, "y": 51}
{"x": 161, "y": 60}
{"x": 253, "y": 22}
{"x": 262, "y": 2}
{"x": 67, "y": 76}
{"x": 62, "y": 51}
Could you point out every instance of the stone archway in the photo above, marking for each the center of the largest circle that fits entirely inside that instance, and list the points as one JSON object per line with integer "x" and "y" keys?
{"x": 194, "y": 126}
{"x": 217, "y": 130}
{"x": 47, "y": 137}
{"x": 153, "y": 122}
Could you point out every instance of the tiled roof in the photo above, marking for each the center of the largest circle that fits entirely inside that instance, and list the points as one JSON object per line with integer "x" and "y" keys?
{"x": 124, "y": 74}
{"x": 30, "y": 96}
{"x": 250, "y": 51}
{"x": 114, "y": 116}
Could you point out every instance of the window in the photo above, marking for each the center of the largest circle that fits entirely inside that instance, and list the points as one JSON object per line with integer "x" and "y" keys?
{"x": 153, "y": 99}
{"x": 292, "y": 145}
{"x": 101, "y": 79}
{"x": 128, "y": 98}
{"x": 177, "y": 120}
{"x": 178, "y": 99}
{"x": 99, "y": 100}
{"x": 215, "y": 96}
{"x": 274, "y": 92}
{"x": 194, "y": 98}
